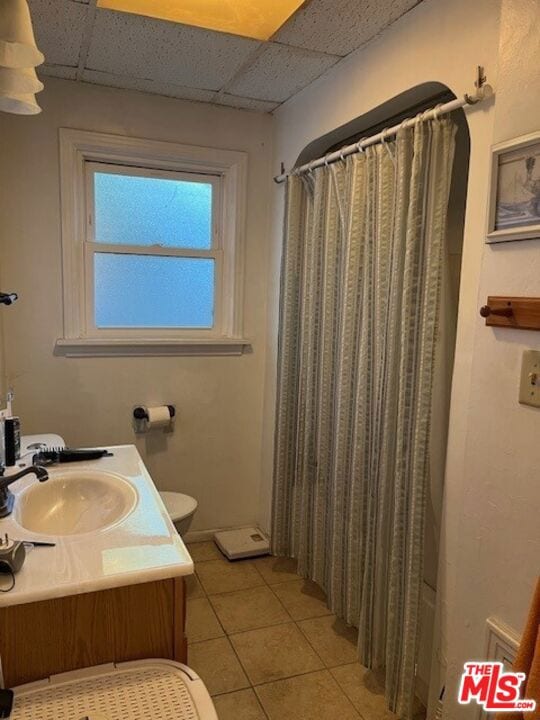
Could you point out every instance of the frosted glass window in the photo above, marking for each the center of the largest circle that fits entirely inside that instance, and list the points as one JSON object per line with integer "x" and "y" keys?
{"x": 135, "y": 210}
{"x": 149, "y": 291}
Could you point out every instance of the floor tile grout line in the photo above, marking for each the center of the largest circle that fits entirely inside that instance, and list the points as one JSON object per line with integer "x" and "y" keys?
{"x": 310, "y": 643}
{"x": 241, "y": 632}
{"x": 232, "y": 692}
{"x": 244, "y": 670}
{"x": 304, "y": 674}
{"x": 309, "y": 617}
{"x": 232, "y": 647}
{"x": 230, "y": 592}
{"x": 253, "y": 687}
{"x": 217, "y": 618}
{"x": 262, "y": 627}
{"x": 290, "y": 677}
{"x": 273, "y": 595}
{"x": 344, "y": 691}
{"x": 240, "y": 663}
{"x": 228, "y": 634}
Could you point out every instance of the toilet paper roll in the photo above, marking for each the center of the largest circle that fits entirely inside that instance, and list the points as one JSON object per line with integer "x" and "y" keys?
{"x": 158, "y": 417}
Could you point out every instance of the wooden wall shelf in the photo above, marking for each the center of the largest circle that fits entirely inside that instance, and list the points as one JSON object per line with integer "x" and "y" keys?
{"x": 520, "y": 313}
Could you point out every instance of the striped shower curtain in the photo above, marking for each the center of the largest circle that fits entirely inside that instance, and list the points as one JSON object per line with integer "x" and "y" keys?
{"x": 360, "y": 295}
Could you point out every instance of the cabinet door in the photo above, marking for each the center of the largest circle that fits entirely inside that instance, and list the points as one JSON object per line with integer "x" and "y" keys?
{"x": 127, "y": 623}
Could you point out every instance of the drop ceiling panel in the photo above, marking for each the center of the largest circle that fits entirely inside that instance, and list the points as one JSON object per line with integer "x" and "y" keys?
{"x": 139, "y": 47}
{"x": 340, "y": 26}
{"x": 279, "y": 71}
{"x": 120, "y": 49}
{"x": 59, "y": 26}
{"x": 158, "y": 88}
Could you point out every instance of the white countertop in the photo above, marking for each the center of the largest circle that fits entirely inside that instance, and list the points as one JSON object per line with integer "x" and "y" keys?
{"x": 143, "y": 547}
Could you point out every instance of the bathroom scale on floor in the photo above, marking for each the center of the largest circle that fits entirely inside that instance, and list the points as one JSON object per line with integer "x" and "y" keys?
{"x": 244, "y": 543}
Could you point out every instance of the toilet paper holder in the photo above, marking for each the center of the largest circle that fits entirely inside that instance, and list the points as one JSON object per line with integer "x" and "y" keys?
{"x": 143, "y": 424}
{"x": 141, "y": 413}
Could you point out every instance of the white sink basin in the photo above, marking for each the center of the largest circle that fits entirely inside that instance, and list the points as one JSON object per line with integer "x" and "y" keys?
{"x": 75, "y": 502}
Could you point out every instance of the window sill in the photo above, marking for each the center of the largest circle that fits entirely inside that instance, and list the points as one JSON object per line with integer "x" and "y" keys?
{"x": 91, "y": 347}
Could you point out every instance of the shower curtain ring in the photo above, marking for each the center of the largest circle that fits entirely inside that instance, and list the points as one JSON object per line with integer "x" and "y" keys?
{"x": 437, "y": 111}
{"x": 326, "y": 160}
{"x": 385, "y": 145}
{"x": 359, "y": 145}
{"x": 341, "y": 155}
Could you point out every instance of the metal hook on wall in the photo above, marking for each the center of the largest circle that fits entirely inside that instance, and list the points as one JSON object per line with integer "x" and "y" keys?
{"x": 480, "y": 85}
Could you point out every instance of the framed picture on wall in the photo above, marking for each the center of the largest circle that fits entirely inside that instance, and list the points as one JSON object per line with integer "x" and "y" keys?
{"x": 514, "y": 205}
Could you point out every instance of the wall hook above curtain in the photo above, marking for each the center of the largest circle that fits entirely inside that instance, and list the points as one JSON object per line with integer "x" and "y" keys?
{"x": 479, "y": 83}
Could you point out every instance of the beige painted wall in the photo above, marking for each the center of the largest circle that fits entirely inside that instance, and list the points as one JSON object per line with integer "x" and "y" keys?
{"x": 496, "y": 542}
{"x": 491, "y": 538}
{"x": 215, "y": 452}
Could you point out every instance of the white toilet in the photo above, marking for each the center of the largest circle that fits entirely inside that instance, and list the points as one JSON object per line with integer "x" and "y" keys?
{"x": 181, "y": 509}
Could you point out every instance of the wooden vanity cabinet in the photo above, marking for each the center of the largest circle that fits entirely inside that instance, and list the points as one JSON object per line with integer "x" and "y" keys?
{"x": 135, "y": 622}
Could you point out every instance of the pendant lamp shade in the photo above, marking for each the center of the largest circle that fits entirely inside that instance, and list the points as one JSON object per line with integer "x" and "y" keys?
{"x": 24, "y": 104}
{"x": 17, "y": 44}
{"x": 19, "y": 81}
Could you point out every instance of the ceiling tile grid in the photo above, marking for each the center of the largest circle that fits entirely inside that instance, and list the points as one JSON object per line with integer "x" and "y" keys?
{"x": 157, "y": 88}
{"x": 245, "y": 103}
{"x": 59, "y": 27}
{"x": 59, "y": 71}
{"x": 124, "y": 50}
{"x": 136, "y": 46}
{"x": 340, "y": 26}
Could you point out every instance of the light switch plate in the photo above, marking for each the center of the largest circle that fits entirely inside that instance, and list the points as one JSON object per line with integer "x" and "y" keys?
{"x": 529, "y": 388}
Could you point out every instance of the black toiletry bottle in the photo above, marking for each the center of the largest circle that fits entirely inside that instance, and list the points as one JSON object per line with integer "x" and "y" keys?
{"x": 12, "y": 440}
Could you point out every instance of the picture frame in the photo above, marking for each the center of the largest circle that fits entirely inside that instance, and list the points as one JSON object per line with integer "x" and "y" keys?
{"x": 514, "y": 199}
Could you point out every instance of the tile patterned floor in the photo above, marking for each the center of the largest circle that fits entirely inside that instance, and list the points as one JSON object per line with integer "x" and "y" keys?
{"x": 267, "y": 646}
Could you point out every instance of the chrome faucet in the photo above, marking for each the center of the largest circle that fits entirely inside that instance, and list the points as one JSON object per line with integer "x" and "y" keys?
{"x": 6, "y": 496}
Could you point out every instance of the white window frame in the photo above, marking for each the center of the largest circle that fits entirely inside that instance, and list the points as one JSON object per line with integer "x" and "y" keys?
{"x": 80, "y": 154}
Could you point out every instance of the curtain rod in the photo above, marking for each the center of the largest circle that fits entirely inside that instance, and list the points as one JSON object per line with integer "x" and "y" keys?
{"x": 483, "y": 91}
